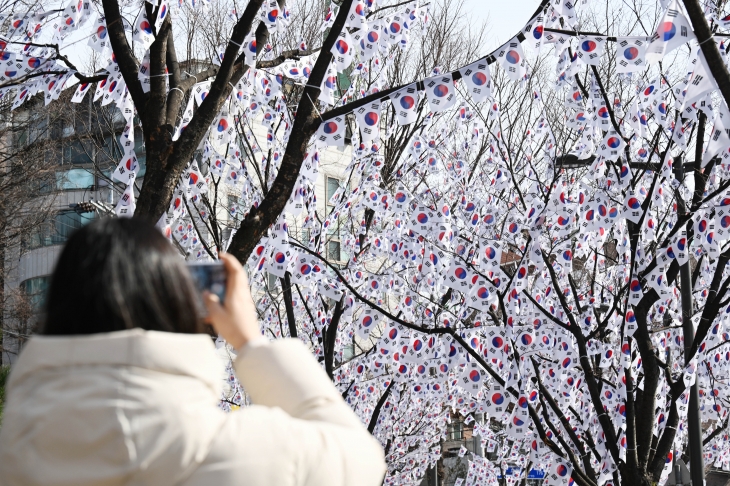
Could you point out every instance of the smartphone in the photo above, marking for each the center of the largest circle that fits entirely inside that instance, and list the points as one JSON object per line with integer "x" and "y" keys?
{"x": 210, "y": 277}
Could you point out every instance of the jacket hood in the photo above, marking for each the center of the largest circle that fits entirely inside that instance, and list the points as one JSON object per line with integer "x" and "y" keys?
{"x": 128, "y": 407}
{"x": 190, "y": 355}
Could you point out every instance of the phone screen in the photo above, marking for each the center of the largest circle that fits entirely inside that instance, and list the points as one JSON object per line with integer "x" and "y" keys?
{"x": 210, "y": 277}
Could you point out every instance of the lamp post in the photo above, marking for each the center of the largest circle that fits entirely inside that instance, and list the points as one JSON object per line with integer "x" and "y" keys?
{"x": 697, "y": 463}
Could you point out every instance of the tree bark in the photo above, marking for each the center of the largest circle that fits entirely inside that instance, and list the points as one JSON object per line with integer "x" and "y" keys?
{"x": 166, "y": 160}
{"x": 709, "y": 49}
{"x": 330, "y": 337}
{"x": 259, "y": 219}
{"x": 376, "y": 412}
{"x": 286, "y": 290}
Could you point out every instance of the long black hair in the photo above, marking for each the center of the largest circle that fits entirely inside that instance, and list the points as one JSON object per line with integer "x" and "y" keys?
{"x": 120, "y": 273}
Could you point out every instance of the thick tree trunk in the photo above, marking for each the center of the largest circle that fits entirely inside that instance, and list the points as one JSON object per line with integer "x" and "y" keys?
{"x": 2, "y": 299}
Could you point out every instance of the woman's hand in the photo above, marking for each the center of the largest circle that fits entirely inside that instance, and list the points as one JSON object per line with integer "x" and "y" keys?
{"x": 236, "y": 320}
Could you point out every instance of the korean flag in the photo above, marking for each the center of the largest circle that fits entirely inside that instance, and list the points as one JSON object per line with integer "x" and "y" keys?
{"x": 332, "y": 132}
{"x": 477, "y": 78}
{"x": 368, "y": 119}
{"x": 533, "y": 32}
{"x": 559, "y": 472}
{"x": 142, "y": 31}
{"x": 512, "y": 59}
{"x": 612, "y": 146}
{"x": 590, "y": 49}
{"x": 440, "y": 92}
{"x": 343, "y": 50}
{"x": 673, "y": 31}
{"x": 405, "y": 103}
{"x": 82, "y": 89}
{"x": 127, "y": 169}
{"x": 127, "y": 204}
{"x": 631, "y": 53}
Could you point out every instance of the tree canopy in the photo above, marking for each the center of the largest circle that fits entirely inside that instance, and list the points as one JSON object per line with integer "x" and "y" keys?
{"x": 507, "y": 232}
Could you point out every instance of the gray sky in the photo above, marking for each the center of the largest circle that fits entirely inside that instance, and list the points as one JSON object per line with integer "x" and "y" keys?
{"x": 506, "y": 17}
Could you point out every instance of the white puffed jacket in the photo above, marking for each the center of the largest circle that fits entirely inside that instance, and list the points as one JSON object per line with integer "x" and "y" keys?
{"x": 140, "y": 408}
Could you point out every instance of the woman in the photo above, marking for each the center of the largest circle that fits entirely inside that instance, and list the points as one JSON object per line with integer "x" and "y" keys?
{"x": 123, "y": 384}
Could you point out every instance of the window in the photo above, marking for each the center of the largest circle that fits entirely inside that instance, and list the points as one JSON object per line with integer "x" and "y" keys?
{"x": 36, "y": 290}
{"x": 38, "y": 129}
{"x": 306, "y": 235}
{"x": 57, "y": 230}
{"x": 456, "y": 430}
{"x": 110, "y": 153}
{"x": 333, "y": 232}
{"x": 139, "y": 150}
{"x": 71, "y": 152}
{"x": 76, "y": 152}
{"x": 348, "y": 351}
{"x": 61, "y": 127}
{"x": 333, "y": 250}
{"x": 75, "y": 179}
{"x": 271, "y": 280}
{"x": 233, "y": 201}
{"x": 332, "y": 186}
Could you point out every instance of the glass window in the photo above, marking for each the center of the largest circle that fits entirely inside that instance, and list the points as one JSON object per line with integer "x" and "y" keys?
{"x": 271, "y": 282}
{"x": 36, "y": 290}
{"x": 75, "y": 179}
{"x": 142, "y": 167}
{"x": 110, "y": 152}
{"x": 81, "y": 115}
{"x": 38, "y": 129}
{"x": 332, "y": 186}
{"x": 77, "y": 153}
{"x": 53, "y": 155}
{"x": 139, "y": 149}
{"x": 333, "y": 250}
{"x": 456, "y": 430}
{"x": 348, "y": 352}
{"x": 67, "y": 222}
{"x": 57, "y": 230}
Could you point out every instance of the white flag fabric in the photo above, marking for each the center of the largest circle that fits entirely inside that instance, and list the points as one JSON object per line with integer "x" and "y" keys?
{"x": 405, "y": 103}
{"x": 612, "y": 146}
{"x": 343, "y": 50}
{"x": 162, "y": 14}
{"x": 99, "y": 41}
{"x": 700, "y": 83}
{"x": 368, "y": 119}
{"x": 720, "y": 135}
{"x": 127, "y": 204}
{"x": 332, "y": 131}
{"x": 512, "y": 59}
{"x": 673, "y": 31}
{"x": 590, "y": 49}
{"x": 534, "y": 32}
{"x": 250, "y": 48}
{"x": 559, "y": 472}
{"x": 369, "y": 40}
{"x": 631, "y": 53}
{"x": 328, "y": 87}
{"x": 440, "y": 92}
{"x": 127, "y": 169}
{"x": 142, "y": 31}
{"x": 357, "y": 18}
{"x": 81, "y": 91}
{"x": 478, "y": 80}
